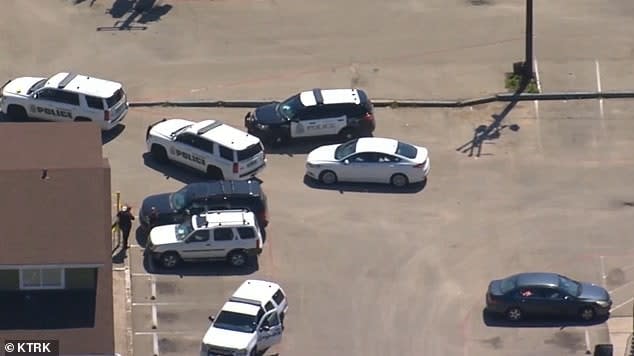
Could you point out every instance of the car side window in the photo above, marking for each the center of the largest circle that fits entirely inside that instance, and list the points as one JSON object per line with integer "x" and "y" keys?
{"x": 226, "y": 153}
{"x": 200, "y": 236}
{"x": 68, "y": 97}
{"x": 338, "y": 110}
{"x": 279, "y": 296}
{"x": 357, "y": 111}
{"x": 365, "y": 157}
{"x": 385, "y": 158}
{"x": 272, "y": 320}
{"x": 202, "y": 144}
{"x": 246, "y": 233}
{"x": 48, "y": 94}
{"x": 223, "y": 234}
{"x": 310, "y": 113}
{"x": 269, "y": 306}
{"x": 185, "y": 139}
{"x": 94, "y": 102}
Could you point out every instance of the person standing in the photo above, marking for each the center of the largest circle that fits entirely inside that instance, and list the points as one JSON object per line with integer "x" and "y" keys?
{"x": 124, "y": 221}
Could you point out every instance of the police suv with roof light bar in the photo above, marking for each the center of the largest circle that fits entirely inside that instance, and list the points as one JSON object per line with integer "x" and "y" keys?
{"x": 249, "y": 323}
{"x": 209, "y": 146}
{"x": 65, "y": 97}
{"x": 347, "y": 113}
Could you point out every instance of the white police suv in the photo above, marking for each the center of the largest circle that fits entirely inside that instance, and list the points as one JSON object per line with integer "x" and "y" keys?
{"x": 347, "y": 113}
{"x": 249, "y": 323}
{"x": 65, "y": 97}
{"x": 209, "y": 146}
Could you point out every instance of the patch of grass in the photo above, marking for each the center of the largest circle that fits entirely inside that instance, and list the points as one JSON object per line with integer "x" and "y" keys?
{"x": 512, "y": 83}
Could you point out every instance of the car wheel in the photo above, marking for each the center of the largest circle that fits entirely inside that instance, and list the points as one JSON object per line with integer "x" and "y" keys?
{"x": 587, "y": 313}
{"x": 347, "y": 134}
{"x": 214, "y": 173}
{"x": 159, "y": 153}
{"x": 328, "y": 177}
{"x": 399, "y": 180}
{"x": 170, "y": 259}
{"x": 514, "y": 314}
{"x": 17, "y": 113}
{"x": 237, "y": 258}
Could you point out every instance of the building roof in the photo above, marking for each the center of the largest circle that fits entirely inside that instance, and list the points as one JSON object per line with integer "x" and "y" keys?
{"x": 257, "y": 290}
{"x": 376, "y": 144}
{"x": 83, "y": 84}
{"x": 224, "y": 134}
{"x": 329, "y": 96}
{"x": 55, "y": 188}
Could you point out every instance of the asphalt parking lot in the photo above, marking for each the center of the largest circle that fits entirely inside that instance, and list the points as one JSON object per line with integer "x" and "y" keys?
{"x": 375, "y": 272}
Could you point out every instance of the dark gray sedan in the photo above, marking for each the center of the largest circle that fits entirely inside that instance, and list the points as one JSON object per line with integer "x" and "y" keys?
{"x": 546, "y": 295}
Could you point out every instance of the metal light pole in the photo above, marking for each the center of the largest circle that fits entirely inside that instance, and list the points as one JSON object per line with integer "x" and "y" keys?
{"x": 528, "y": 64}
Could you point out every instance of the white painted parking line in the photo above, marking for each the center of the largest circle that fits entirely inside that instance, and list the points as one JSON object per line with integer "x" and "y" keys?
{"x": 154, "y": 317}
{"x": 621, "y": 286}
{"x": 537, "y": 81}
{"x": 141, "y": 274}
{"x": 155, "y": 344}
{"x": 536, "y": 102}
{"x": 603, "y": 275}
{"x": 622, "y": 304}
{"x": 588, "y": 352}
{"x": 601, "y": 110}
{"x": 165, "y": 332}
{"x": 149, "y": 304}
{"x": 153, "y": 288}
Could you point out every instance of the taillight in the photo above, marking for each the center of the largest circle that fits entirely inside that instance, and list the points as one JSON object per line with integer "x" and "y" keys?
{"x": 420, "y": 165}
{"x": 368, "y": 117}
{"x": 262, "y": 216}
{"x": 235, "y": 168}
{"x": 106, "y": 115}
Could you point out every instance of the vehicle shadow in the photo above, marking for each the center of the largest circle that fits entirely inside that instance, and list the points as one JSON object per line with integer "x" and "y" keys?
{"x": 365, "y": 187}
{"x": 219, "y": 268}
{"x": 493, "y": 320}
{"x": 302, "y": 145}
{"x": 107, "y": 136}
{"x": 137, "y": 11}
{"x": 172, "y": 171}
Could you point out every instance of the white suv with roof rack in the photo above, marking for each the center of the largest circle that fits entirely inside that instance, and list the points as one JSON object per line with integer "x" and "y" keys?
{"x": 231, "y": 235}
{"x": 65, "y": 97}
{"x": 250, "y": 322}
{"x": 210, "y": 146}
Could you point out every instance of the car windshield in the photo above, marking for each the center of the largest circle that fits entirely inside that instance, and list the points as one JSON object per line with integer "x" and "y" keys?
{"x": 180, "y": 199}
{"x": 345, "y": 149}
{"x": 289, "y": 108}
{"x": 507, "y": 284}
{"x": 183, "y": 230}
{"x": 571, "y": 287}
{"x": 37, "y": 86}
{"x": 181, "y": 130}
{"x": 236, "y": 322}
{"x": 406, "y": 150}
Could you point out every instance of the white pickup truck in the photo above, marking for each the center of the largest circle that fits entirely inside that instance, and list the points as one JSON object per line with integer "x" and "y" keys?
{"x": 249, "y": 323}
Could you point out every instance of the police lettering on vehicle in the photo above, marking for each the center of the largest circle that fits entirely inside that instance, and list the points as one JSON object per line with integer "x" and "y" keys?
{"x": 190, "y": 157}
{"x": 54, "y": 112}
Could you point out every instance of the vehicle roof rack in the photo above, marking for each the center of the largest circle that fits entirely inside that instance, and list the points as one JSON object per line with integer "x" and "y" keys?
{"x": 66, "y": 80}
{"x": 209, "y": 127}
{"x": 318, "y": 98}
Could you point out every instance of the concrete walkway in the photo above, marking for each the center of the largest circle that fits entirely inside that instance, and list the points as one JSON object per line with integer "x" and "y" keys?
{"x": 122, "y": 310}
{"x": 620, "y": 331}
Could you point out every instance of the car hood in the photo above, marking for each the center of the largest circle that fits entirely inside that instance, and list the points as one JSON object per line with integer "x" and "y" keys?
{"x": 159, "y": 201}
{"x": 227, "y": 338}
{"x": 20, "y": 86}
{"x": 267, "y": 114}
{"x": 593, "y": 292}
{"x": 322, "y": 154}
{"x": 165, "y": 128}
{"x": 163, "y": 235}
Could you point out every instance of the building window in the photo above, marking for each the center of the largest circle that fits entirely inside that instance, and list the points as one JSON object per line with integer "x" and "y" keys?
{"x": 42, "y": 278}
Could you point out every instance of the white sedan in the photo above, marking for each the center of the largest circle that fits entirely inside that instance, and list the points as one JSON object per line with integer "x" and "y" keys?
{"x": 371, "y": 160}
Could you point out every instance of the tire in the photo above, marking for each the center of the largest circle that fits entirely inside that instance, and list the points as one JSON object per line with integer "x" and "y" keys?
{"x": 170, "y": 259}
{"x": 514, "y": 314}
{"x": 328, "y": 177}
{"x": 214, "y": 173}
{"x": 399, "y": 180}
{"x": 17, "y": 113}
{"x": 82, "y": 119}
{"x": 347, "y": 134}
{"x": 587, "y": 313}
{"x": 237, "y": 258}
{"x": 159, "y": 154}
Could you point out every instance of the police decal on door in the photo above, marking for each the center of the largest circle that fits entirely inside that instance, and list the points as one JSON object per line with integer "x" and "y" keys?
{"x": 189, "y": 156}
{"x": 53, "y": 112}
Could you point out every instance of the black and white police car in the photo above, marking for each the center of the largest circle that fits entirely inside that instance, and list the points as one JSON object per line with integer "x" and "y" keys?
{"x": 65, "y": 97}
{"x": 347, "y": 113}
{"x": 209, "y": 146}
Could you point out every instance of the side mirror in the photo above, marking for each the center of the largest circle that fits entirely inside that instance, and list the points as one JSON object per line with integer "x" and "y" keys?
{"x": 566, "y": 297}
{"x": 35, "y": 96}
{"x": 265, "y": 328}
{"x": 211, "y": 318}
{"x": 346, "y": 161}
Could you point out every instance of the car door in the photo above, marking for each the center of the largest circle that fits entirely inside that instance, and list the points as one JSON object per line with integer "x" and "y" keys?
{"x": 560, "y": 302}
{"x": 270, "y": 330}
{"x": 54, "y": 105}
{"x": 306, "y": 122}
{"x": 197, "y": 246}
{"x": 185, "y": 152}
{"x": 529, "y": 301}
{"x": 360, "y": 167}
{"x": 94, "y": 107}
{"x": 388, "y": 165}
{"x": 223, "y": 241}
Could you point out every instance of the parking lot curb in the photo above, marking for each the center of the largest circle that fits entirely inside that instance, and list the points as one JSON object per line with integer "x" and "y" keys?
{"x": 405, "y": 103}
